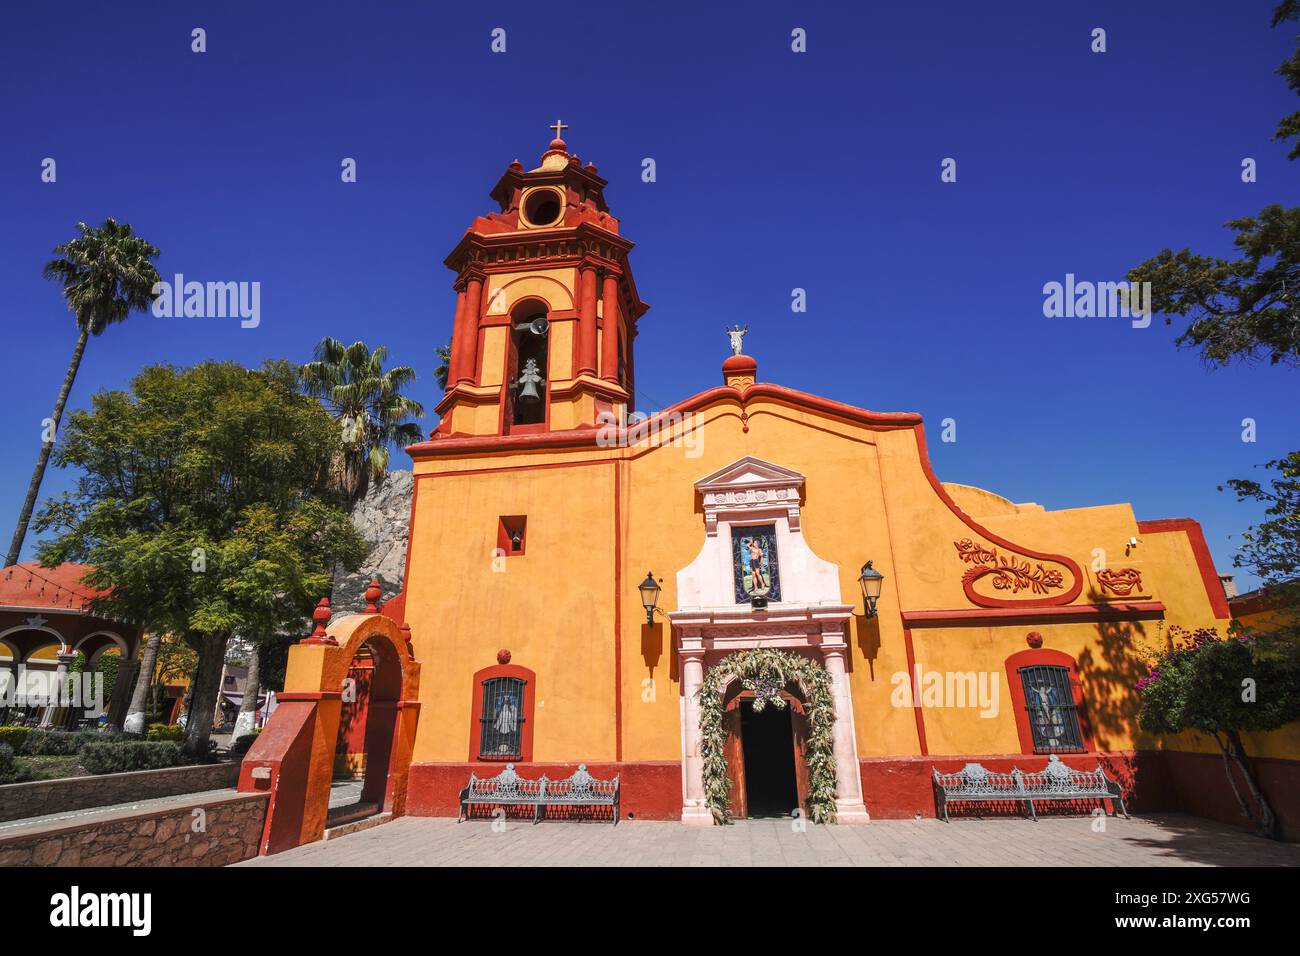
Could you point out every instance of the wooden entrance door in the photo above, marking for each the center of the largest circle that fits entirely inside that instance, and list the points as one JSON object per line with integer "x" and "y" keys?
{"x": 735, "y": 754}
{"x": 799, "y": 733}
{"x": 734, "y": 751}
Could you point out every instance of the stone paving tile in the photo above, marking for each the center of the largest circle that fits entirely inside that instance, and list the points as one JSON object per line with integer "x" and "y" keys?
{"x": 1167, "y": 840}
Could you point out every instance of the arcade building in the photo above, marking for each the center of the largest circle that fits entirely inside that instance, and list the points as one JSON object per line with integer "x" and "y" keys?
{"x": 701, "y": 594}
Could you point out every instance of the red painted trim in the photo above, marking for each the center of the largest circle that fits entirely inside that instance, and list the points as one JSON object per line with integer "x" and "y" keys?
{"x": 476, "y": 710}
{"x": 1134, "y": 611}
{"x": 308, "y": 695}
{"x": 1066, "y": 598}
{"x": 721, "y": 394}
{"x": 916, "y": 698}
{"x": 1045, "y": 657}
{"x": 1204, "y": 561}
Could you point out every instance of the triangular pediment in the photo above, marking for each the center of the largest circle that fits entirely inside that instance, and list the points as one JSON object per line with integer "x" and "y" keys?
{"x": 750, "y": 472}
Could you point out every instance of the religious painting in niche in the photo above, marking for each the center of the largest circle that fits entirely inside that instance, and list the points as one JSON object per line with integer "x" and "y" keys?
{"x": 754, "y": 563}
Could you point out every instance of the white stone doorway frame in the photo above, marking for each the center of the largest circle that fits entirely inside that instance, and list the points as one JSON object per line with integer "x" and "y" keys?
{"x": 810, "y": 618}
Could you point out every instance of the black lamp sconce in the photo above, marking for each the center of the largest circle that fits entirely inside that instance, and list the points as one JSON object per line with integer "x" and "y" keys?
{"x": 649, "y": 596}
{"x": 871, "y": 581}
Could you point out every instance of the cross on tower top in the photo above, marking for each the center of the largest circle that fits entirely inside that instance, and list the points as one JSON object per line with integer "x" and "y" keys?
{"x": 559, "y": 128}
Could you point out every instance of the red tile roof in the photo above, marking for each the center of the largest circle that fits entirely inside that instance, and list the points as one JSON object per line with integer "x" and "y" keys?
{"x": 58, "y": 588}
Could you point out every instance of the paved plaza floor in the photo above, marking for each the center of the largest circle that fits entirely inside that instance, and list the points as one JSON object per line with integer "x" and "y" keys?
{"x": 1165, "y": 840}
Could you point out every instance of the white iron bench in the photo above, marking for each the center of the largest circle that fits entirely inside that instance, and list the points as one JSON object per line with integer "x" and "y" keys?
{"x": 974, "y": 783}
{"x": 579, "y": 789}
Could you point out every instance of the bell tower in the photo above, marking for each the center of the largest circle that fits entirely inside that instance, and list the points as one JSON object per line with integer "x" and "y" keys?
{"x": 546, "y": 308}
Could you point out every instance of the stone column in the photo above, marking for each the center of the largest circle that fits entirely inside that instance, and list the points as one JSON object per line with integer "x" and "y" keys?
{"x": 587, "y": 321}
{"x": 694, "y": 808}
{"x": 849, "y": 807}
{"x": 609, "y": 342}
{"x": 466, "y": 345}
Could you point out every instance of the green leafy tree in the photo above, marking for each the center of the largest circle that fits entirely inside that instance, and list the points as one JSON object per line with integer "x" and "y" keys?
{"x": 1247, "y": 307}
{"x": 206, "y": 507}
{"x": 1222, "y": 688}
{"x": 1242, "y": 308}
{"x": 1271, "y": 549}
{"x": 107, "y": 273}
{"x": 1290, "y": 71}
{"x": 368, "y": 404}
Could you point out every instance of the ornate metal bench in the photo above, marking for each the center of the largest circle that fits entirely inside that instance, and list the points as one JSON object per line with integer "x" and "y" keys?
{"x": 507, "y": 788}
{"x": 1055, "y": 782}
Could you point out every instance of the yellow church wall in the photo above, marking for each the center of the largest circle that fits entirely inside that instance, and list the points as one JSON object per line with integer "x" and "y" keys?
{"x": 546, "y": 606}
{"x": 1107, "y": 667}
{"x": 476, "y": 419}
{"x": 553, "y": 286}
{"x": 492, "y": 365}
{"x": 841, "y": 520}
{"x": 980, "y": 503}
{"x": 1184, "y": 595}
{"x": 866, "y": 497}
{"x": 561, "y": 350}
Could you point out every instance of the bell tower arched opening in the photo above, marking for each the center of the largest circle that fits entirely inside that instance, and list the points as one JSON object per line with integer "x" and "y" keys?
{"x": 528, "y": 375}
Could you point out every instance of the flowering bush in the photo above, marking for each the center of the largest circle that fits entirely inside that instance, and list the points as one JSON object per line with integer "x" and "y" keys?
{"x": 1222, "y": 687}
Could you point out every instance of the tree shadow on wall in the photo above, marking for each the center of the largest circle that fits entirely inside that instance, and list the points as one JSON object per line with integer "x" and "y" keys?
{"x": 1110, "y": 671}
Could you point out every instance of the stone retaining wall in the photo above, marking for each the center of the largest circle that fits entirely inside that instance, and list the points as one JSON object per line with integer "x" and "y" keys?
{"x": 227, "y": 830}
{"x": 19, "y": 800}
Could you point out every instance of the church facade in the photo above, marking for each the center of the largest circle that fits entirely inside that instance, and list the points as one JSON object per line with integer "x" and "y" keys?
{"x": 1033, "y": 618}
{"x": 753, "y": 601}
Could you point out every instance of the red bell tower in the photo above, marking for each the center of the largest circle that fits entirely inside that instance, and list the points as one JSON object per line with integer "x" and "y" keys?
{"x": 546, "y": 308}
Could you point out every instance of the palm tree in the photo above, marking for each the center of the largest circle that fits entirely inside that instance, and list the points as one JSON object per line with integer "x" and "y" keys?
{"x": 442, "y": 371}
{"x": 369, "y": 405}
{"x": 106, "y": 274}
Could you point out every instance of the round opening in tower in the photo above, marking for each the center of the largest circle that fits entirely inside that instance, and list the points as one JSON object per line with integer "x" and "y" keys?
{"x": 542, "y": 207}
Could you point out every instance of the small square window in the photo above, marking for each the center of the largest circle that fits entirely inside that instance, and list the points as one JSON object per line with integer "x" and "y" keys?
{"x": 512, "y": 532}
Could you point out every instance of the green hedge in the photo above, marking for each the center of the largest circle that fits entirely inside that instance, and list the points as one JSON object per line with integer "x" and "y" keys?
{"x": 126, "y": 755}
{"x": 51, "y": 743}
{"x": 65, "y": 743}
{"x": 14, "y": 737}
{"x": 164, "y": 732}
{"x": 6, "y": 761}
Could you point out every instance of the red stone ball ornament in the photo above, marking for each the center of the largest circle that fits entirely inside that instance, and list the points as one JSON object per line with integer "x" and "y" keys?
{"x": 321, "y": 616}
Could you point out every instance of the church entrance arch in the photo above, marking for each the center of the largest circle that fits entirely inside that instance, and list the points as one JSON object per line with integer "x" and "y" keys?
{"x": 294, "y": 757}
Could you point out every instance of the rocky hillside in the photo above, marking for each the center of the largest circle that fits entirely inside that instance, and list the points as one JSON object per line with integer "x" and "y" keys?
{"x": 382, "y": 517}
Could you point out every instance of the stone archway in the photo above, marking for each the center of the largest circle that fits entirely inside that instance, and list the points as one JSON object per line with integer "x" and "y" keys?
{"x": 293, "y": 757}
{"x": 767, "y": 673}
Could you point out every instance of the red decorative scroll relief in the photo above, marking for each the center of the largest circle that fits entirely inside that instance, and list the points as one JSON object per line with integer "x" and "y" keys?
{"x": 1011, "y": 574}
{"x": 1121, "y": 581}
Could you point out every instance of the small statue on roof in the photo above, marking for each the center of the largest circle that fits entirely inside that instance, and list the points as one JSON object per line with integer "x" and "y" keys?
{"x": 737, "y": 336}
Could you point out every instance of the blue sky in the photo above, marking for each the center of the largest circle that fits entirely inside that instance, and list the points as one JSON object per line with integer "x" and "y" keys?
{"x": 775, "y": 170}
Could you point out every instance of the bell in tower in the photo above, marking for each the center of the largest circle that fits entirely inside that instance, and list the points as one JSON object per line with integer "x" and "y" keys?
{"x": 546, "y": 308}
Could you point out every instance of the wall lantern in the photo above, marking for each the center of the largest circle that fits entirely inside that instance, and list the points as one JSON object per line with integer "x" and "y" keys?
{"x": 649, "y": 596}
{"x": 871, "y": 581}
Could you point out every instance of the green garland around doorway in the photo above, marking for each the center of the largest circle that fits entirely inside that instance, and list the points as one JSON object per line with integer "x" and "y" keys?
{"x": 765, "y": 670}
